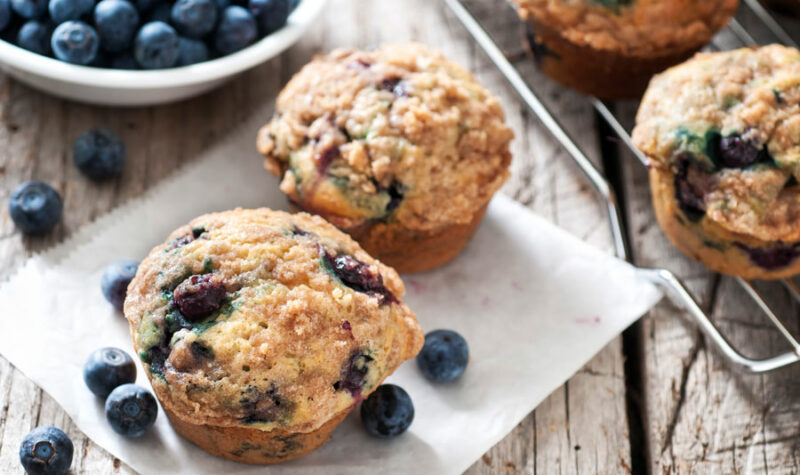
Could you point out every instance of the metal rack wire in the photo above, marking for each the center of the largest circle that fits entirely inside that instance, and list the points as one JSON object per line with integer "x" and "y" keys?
{"x": 665, "y": 279}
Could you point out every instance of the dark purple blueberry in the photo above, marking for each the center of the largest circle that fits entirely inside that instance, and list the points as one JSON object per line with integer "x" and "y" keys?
{"x": 387, "y": 412}
{"x": 771, "y": 257}
{"x": 156, "y": 46}
{"x": 236, "y": 30}
{"x": 298, "y": 232}
{"x": 115, "y": 280}
{"x": 194, "y": 18}
{"x": 116, "y": 22}
{"x": 46, "y": 450}
{"x": 75, "y": 42}
{"x": 358, "y": 276}
{"x": 131, "y": 410}
{"x": 99, "y": 153}
{"x": 34, "y": 35}
{"x": 63, "y": 10}
{"x": 395, "y": 85}
{"x": 444, "y": 356}
{"x": 270, "y": 15}
{"x": 323, "y": 158}
{"x": 736, "y": 152}
{"x": 351, "y": 377}
{"x": 199, "y": 295}
{"x": 396, "y": 191}
{"x": 107, "y": 368}
{"x": 156, "y": 356}
{"x": 201, "y": 351}
{"x": 35, "y": 207}
{"x": 690, "y": 188}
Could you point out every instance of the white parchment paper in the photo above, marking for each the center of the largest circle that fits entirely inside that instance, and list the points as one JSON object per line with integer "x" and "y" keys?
{"x": 534, "y": 303}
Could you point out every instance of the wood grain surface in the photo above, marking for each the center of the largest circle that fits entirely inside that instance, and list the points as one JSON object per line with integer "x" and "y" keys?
{"x": 676, "y": 408}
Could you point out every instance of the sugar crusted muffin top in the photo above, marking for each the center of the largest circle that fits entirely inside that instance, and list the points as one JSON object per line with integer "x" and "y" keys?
{"x": 632, "y": 27}
{"x": 267, "y": 320}
{"x": 399, "y": 133}
{"x": 727, "y": 125}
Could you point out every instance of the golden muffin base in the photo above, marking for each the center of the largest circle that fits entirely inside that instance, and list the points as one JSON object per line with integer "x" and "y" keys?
{"x": 608, "y": 75}
{"x": 707, "y": 243}
{"x": 409, "y": 251}
{"x": 253, "y": 446}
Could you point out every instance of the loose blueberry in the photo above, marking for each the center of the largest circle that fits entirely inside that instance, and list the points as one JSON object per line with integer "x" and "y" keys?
{"x": 5, "y": 14}
{"x": 29, "y": 9}
{"x": 194, "y": 18}
{"x": 34, "y": 35}
{"x": 75, "y": 42}
{"x": 444, "y": 356}
{"x": 236, "y": 30}
{"x": 115, "y": 280}
{"x": 107, "y": 368}
{"x": 116, "y": 22}
{"x": 358, "y": 276}
{"x": 270, "y": 15}
{"x": 192, "y": 51}
{"x": 63, "y": 10}
{"x": 131, "y": 410}
{"x": 35, "y": 207}
{"x": 156, "y": 46}
{"x": 387, "y": 412}
{"x": 771, "y": 257}
{"x": 124, "y": 61}
{"x": 99, "y": 153}
{"x": 46, "y": 450}
{"x": 199, "y": 295}
{"x": 222, "y": 4}
{"x": 736, "y": 152}
{"x": 160, "y": 12}
{"x": 294, "y": 4}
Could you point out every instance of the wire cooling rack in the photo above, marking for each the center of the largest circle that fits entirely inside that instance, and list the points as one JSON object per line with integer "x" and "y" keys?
{"x": 665, "y": 279}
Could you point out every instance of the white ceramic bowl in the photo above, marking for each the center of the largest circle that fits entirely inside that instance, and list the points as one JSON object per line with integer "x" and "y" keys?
{"x": 142, "y": 88}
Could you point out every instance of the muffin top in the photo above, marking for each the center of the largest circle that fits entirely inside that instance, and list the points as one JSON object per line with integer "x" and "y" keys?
{"x": 727, "y": 125}
{"x": 632, "y": 27}
{"x": 400, "y": 133}
{"x": 263, "y": 319}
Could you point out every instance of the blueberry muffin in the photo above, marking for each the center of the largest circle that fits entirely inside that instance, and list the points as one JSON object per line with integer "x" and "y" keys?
{"x": 722, "y": 132}
{"x": 398, "y": 147}
{"x": 261, "y": 330}
{"x": 611, "y": 48}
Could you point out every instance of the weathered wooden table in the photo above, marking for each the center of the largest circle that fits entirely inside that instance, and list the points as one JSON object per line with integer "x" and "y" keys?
{"x": 656, "y": 399}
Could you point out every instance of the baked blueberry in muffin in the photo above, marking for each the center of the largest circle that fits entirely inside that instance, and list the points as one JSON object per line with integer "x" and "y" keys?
{"x": 261, "y": 330}
{"x": 399, "y": 147}
{"x": 722, "y": 132}
{"x": 611, "y": 48}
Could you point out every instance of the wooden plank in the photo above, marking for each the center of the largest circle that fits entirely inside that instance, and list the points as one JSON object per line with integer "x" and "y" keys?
{"x": 582, "y": 427}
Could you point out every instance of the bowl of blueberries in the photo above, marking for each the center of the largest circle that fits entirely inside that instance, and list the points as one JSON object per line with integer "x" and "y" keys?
{"x": 143, "y": 52}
